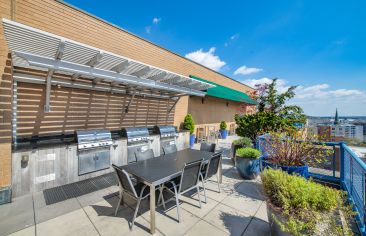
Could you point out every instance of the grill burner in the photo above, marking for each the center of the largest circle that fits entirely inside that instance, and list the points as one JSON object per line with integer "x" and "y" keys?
{"x": 138, "y": 140}
{"x": 93, "y": 150}
{"x": 168, "y": 136}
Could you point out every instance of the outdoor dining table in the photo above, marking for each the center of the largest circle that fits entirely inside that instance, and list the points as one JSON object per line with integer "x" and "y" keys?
{"x": 158, "y": 170}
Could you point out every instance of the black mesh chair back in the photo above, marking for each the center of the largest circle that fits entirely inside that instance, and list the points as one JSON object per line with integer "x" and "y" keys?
{"x": 213, "y": 165}
{"x": 125, "y": 181}
{"x": 142, "y": 156}
{"x": 170, "y": 149}
{"x": 208, "y": 147}
{"x": 190, "y": 175}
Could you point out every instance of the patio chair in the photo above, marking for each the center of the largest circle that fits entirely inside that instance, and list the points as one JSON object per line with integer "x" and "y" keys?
{"x": 142, "y": 156}
{"x": 170, "y": 149}
{"x": 209, "y": 170}
{"x": 187, "y": 181}
{"x": 208, "y": 147}
{"x": 139, "y": 191}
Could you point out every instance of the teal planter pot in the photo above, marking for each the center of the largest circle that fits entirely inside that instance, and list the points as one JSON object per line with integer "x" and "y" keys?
{"x": 223, "y": 133}
{"x": 248, "y": 168}
{"x": 293, "y": 170}
{"x": 192, "y": 138}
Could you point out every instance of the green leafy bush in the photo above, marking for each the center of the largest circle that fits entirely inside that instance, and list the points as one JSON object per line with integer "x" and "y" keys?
{"x": 223, "y": 125}
{"x": 303, "y": 203}
{"x": 250, "y": 153}
{"x": 244, "y": 142}
{"x": 188, "y": 123}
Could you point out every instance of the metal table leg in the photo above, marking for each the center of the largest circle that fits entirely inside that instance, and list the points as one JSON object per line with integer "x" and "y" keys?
{"x": 152, "y": 209}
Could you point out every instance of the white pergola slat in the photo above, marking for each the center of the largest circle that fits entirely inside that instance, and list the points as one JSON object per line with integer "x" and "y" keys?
{"x": 34, "y": 48}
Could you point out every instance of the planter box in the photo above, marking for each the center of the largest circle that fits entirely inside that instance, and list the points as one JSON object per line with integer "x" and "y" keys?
{"x": 248, "y": 168}
{"x": 299, "y": 170}
{"x": 274, "y": 227}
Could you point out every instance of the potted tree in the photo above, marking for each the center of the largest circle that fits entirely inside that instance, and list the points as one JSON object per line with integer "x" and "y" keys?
{"x": 188, "y": 124}
{"x": 223, "y": 130}
{"x": 297, "y": 206}
{"x": 292, "y": 151}
{"x": 247, "y": 162}
{"x": 240, "y": 143}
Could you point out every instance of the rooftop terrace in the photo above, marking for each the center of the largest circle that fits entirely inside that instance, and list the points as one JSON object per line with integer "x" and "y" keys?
{"x": 239, "y": 209}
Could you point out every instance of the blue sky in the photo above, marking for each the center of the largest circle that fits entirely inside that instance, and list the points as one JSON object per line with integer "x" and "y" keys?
{"x": 318, "y": 45}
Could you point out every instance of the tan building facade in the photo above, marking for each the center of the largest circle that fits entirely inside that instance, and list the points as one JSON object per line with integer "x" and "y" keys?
{"x": 64, "y": 20}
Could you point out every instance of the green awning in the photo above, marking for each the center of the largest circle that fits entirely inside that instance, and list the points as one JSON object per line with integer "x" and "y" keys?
{"x": 226, "y": 93}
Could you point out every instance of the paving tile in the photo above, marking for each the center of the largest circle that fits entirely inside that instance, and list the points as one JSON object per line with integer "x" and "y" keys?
{"x": 204, "y": 228}
{"x": 228, "y": 219}
{"x": 243, "y": 203}
{"x": 94, "y": 197}
{"x": 29, "y": 231}
{"x": 16, "y": 215}
{"x": 250, "y": 189}
{"x": 262, "y": 212}
{"x": 167, "y": 221}
{"x": 212, "y": 191}
{"x": 191, "y": 204}
{"x": 45, "y": 212}
{"x": 257, "y": 228}
{"x": 102, "y": 216}
{"x": 73, "y": 223}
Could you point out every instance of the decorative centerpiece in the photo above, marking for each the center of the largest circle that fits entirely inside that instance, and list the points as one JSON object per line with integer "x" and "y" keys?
{"x": 223, "y": 129}
{"x": 247, "y": 162}
{"x": 188, "y": 124}
{"x": 297, "y": 206}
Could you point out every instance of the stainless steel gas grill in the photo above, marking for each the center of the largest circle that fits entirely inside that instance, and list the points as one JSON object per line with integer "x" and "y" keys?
{"x": 168, "y": 136}
{"x": 138, "y": 140}
{"x": 93, "y": 150}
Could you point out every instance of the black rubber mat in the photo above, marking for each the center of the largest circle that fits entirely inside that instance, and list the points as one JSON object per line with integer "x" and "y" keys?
{"x": 64, "y": 192}
{"x": 54, "y": 195}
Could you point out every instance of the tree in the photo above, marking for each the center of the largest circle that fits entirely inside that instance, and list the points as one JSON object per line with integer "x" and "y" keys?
{"x": 273, "y": 114}
{"x": 188, "y": 123}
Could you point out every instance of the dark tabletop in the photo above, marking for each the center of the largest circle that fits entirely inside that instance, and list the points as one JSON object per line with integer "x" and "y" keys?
{"x": 160, "y": 169}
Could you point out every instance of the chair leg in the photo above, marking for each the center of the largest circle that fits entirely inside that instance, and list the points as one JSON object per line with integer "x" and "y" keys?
{"x": 204, "y": 188}
{"x": 117, "y": 207}
{"x": 177, "y": 202}
{"x": 135, "y": 214}
{"x": 161, "y": 196}
{"x": 218, "y": 182}
{"x": 199, "y": 195}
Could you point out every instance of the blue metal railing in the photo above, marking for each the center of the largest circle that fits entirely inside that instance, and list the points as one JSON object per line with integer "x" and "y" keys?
{"x": 343, "y": 167}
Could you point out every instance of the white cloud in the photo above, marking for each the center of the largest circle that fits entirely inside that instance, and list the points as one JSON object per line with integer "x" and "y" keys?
{"x": 244, "y": 70}
{"x": 208, "y": 59}
{"x": 232, "y": 38}
{"x": 156, "y": 20}
{"x": 320, "y": 99}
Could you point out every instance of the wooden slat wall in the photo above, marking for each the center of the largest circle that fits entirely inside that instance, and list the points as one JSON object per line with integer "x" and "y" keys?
{"x": 77, "y": 109}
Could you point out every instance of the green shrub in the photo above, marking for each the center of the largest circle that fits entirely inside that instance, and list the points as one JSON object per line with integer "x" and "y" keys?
{"x": 303, "y": 203}
{"x": 223, "y": 125}
{"x": 244, "y": 142}
{"x": 188, "y": 123}
{"x": 250, "y": 153}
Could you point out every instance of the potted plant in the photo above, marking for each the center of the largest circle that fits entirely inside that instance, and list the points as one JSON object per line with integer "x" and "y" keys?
{"x": 247, "y": 162}
{"x": 293, "y": 151}
{"x": 223, "y": 130}
{"x": 297, "y": 206}
{"x": 240, "y": 143}
{"x": 188, "y": 124}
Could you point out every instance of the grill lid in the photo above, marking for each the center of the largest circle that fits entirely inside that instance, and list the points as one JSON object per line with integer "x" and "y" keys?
{"x": 136, "y": 134}
{"x": 93, "y": 138}
{"x": 165, "y": 131}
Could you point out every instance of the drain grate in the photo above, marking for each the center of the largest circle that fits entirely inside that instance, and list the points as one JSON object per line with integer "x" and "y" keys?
{"x": 72, "y": 190}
